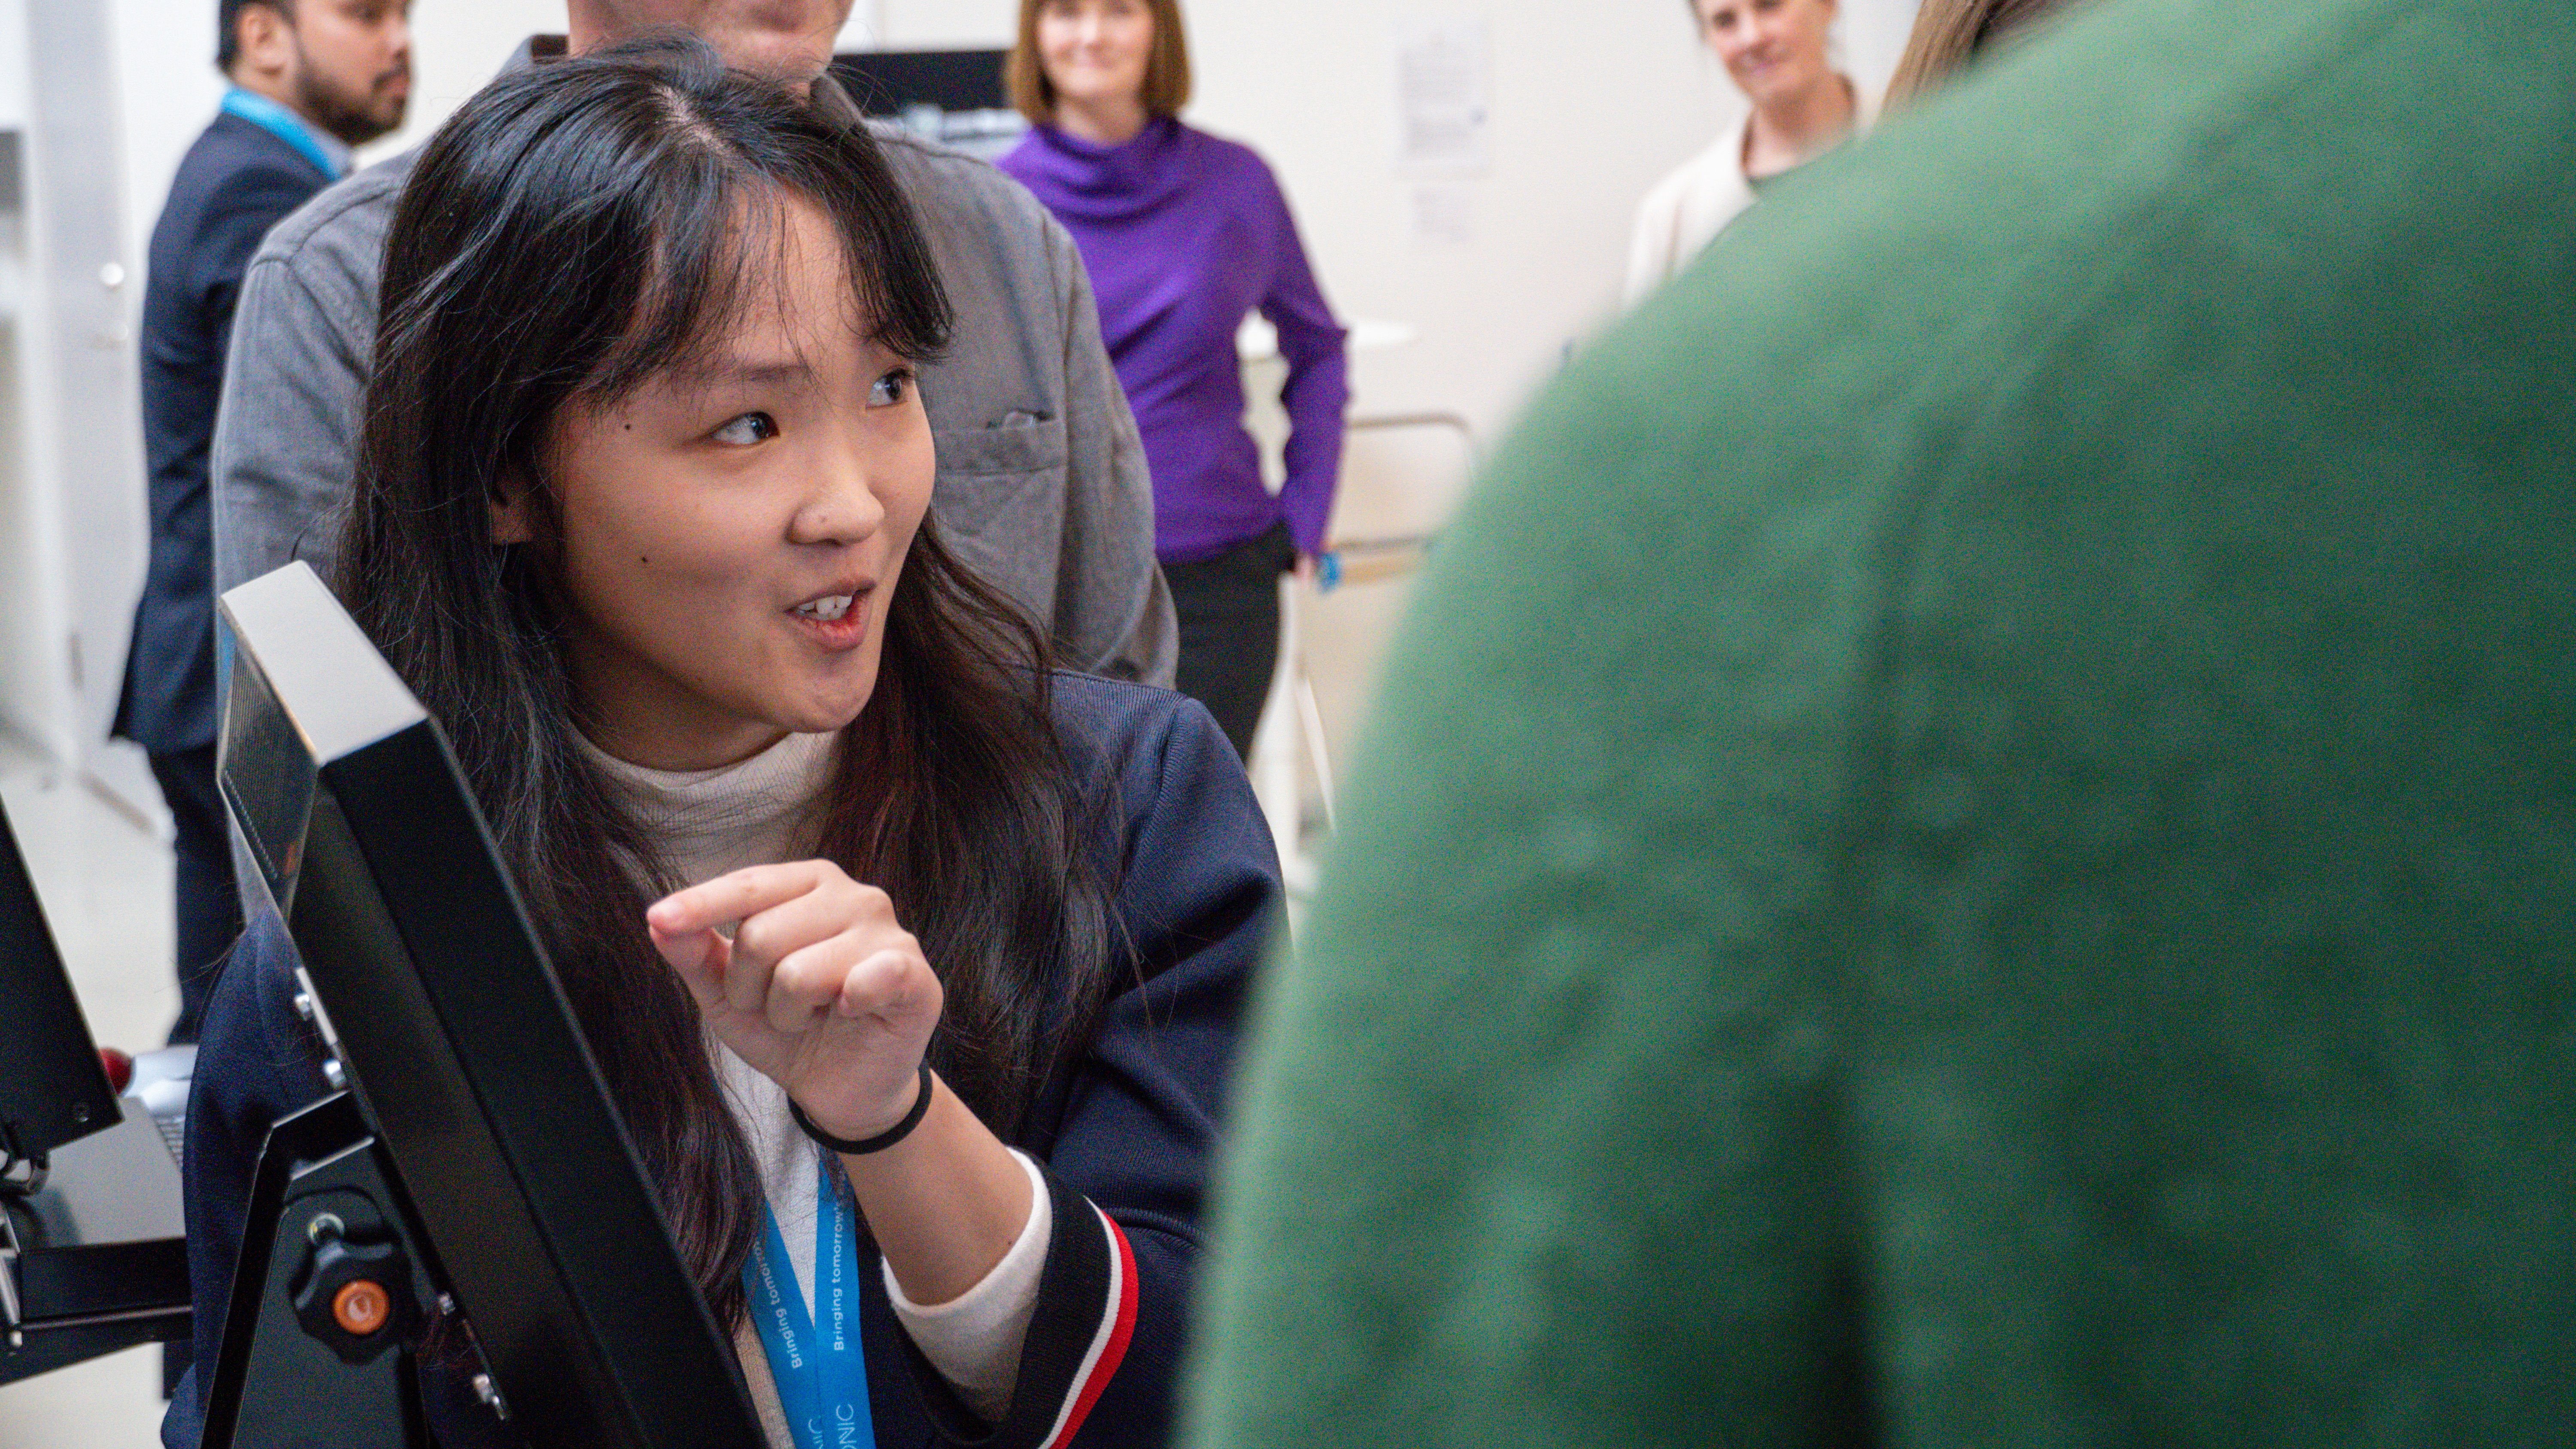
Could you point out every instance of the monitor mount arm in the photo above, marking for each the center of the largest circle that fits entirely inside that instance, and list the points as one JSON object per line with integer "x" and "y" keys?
{"x": 22, "y": 1174}
{"x": 13, "y": 1317}
{"x": 332, "y": 1300}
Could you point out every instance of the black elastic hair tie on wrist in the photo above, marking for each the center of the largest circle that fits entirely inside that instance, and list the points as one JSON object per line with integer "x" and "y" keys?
{"x": 878, "y": 1143}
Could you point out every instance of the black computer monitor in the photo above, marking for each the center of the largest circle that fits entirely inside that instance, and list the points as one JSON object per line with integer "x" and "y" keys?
{"x": 889, "y": 82}
{"x": 53, "y": 1088}
{"x": 91, "y": 1261}
{"x": 458, "y": 1042}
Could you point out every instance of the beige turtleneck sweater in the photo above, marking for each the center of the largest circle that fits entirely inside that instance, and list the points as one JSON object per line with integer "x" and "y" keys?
{"x": 762, "y": 811}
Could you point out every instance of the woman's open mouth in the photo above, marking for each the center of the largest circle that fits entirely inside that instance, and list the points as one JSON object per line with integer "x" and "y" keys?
{"x": 836, "y": 621}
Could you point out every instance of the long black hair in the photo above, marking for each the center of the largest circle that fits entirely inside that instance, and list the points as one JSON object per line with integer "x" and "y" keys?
{"x": 573, "y": 231}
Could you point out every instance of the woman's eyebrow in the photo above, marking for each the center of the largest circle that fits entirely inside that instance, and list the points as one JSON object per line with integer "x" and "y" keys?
{"x": 735, "y": 371}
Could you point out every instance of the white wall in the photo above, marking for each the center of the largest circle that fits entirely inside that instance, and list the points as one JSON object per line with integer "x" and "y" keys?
{"x": 31, "y": 689}
{"x": 71, "y": 523}
{"x": 168, "y": 92}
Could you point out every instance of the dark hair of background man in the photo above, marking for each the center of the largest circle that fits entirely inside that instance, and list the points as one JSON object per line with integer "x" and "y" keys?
{"x": 228, "y": 27}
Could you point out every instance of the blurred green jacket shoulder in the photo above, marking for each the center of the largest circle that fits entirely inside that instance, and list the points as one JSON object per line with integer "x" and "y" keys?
{"x": 1978, "y": 844}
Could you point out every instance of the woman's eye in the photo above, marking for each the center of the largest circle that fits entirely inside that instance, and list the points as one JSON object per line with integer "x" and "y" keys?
{"x": 891, "y": 388}
{"x": 748, "y": 429}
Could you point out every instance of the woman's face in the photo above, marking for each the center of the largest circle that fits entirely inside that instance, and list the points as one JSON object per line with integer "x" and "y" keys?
{"x": 1773, "y": 49}
{"x": 730, "y": 537}
{"x": 1095, "y": 51}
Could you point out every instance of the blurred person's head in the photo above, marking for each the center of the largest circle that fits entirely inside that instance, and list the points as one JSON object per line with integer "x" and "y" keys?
{"x": 344, "y": 65}
{"x": 786, "y": 39}
{"x": 1948, "y": 33}
{"x": 1774, "y": 50}
{"x": 1100, "y": 56}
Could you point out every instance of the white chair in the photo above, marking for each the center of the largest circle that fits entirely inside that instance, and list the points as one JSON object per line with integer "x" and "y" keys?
{"x": 1291, "y": 748}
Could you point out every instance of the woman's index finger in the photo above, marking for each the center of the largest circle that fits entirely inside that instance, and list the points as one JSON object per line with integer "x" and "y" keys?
{"x": 730, "y": 897}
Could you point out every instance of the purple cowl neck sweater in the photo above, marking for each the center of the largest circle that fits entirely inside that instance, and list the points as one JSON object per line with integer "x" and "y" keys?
{"x": 1184, "y": 234}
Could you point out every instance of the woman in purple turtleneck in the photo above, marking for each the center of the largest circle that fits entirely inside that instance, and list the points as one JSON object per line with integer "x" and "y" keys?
{"x": 1183, "y": 235}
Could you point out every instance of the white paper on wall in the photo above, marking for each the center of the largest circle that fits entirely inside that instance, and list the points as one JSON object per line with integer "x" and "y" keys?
{"x": 1444, "y": 87}
{"x": 1444, "y": 215}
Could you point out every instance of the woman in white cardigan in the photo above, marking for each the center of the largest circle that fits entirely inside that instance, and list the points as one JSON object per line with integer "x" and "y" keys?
{"x": 1775, "y": 52}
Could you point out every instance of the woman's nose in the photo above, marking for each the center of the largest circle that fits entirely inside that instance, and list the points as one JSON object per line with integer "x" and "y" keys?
{"x": 844, "y": 506}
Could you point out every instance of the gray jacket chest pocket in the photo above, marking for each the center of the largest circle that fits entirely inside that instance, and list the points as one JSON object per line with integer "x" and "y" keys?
{"x": 1000, "y": 502}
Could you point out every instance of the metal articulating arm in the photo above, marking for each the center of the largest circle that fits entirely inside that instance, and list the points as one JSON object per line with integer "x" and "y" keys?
{"x": 331, "y": 1299}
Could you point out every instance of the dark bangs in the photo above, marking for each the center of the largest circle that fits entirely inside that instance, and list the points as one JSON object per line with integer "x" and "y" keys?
{"x": 714, "y": 224}
{"x": 525, "y": 211}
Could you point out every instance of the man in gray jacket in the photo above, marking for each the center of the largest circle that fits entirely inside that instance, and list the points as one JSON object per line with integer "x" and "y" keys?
{"x": 1042, "y": 484}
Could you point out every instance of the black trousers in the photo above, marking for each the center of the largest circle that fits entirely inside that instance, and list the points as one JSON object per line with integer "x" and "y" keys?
{"x": 1228, "y": 607}
{"x": 209, "y": 905}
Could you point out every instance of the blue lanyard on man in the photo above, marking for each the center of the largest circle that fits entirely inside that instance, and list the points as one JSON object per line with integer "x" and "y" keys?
{"x": 817, "y": 1358}
{"x": 329, "y": 157}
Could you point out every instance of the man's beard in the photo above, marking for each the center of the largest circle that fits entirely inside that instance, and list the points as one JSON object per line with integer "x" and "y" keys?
{"x": 354, "y": 122}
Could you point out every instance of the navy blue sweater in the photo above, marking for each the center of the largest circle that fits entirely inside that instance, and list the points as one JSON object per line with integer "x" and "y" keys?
{"x": 237, "y": 181}
{"x": 1131, "y": 1130}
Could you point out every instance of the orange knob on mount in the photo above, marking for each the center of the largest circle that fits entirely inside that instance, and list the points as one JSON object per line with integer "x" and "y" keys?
{"x": 362, "y": 1307}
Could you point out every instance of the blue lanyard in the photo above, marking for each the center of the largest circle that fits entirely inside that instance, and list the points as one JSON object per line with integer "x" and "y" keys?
{"x": 821, "y": 1369}
{"x": 286, "y": 126}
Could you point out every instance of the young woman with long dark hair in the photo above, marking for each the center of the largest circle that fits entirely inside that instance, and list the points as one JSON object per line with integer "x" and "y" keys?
{"x": 641, "y": 518}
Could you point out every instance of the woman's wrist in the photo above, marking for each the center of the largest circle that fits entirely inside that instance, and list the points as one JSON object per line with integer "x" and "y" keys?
{"x": 853, "y": 1131}
{"x": 945, "y": 1204}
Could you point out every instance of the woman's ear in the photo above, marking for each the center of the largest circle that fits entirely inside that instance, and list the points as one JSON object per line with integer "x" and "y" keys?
{"x": 508, "y": 501}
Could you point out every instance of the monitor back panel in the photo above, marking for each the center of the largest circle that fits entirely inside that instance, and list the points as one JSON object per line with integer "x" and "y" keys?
{"x": 884, "y": 82}
{"x": 461, "y": 1045}
{"x": 53, "y": 1089}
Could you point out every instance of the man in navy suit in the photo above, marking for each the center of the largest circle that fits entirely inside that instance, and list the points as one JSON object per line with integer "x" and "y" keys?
{"x": 310, "y": 79}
